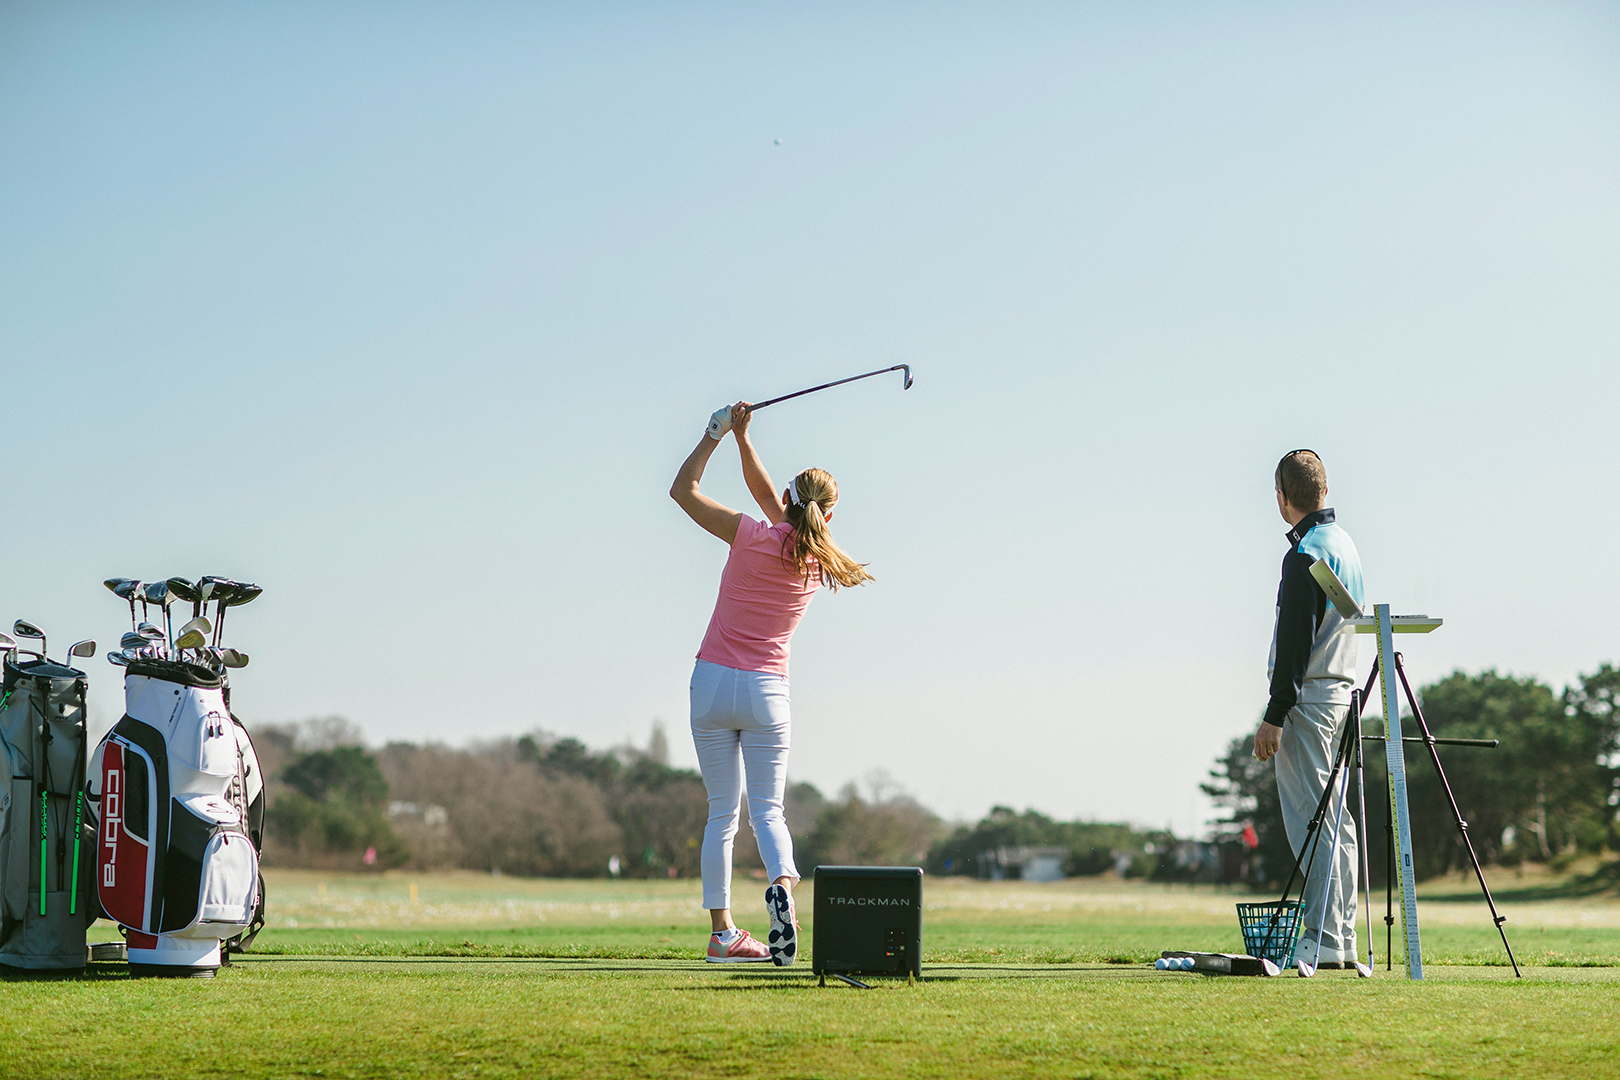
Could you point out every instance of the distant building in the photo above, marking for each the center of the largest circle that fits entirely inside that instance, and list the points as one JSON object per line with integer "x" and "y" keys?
{"x": 1024, "y": 863}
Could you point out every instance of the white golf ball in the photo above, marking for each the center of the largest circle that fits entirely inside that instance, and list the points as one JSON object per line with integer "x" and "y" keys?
{"x": 1162, "y": 963}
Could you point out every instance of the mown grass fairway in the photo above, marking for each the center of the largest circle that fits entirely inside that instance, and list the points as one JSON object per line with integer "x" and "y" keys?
{"x": 1052, "y": 1004}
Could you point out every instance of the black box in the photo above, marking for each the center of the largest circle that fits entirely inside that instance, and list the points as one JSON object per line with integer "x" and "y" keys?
{"x": 868, "y": 920}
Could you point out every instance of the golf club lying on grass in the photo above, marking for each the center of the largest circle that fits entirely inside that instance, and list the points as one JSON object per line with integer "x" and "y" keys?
{"x": 720, "y": 422}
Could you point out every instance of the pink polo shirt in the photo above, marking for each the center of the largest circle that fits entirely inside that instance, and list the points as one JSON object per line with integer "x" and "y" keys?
{"x": 761, "y": 600}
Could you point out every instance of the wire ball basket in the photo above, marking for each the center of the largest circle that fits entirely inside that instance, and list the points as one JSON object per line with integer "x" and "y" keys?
{"x": 1270, "y": 930}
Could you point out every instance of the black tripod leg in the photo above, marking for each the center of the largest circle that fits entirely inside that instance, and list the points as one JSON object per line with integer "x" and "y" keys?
{"x": 1456, "y": 813}
{"x": 1362, "y": 839}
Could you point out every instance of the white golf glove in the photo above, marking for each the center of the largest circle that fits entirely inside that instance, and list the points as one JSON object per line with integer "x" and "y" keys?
{"x": 720, "y": 423}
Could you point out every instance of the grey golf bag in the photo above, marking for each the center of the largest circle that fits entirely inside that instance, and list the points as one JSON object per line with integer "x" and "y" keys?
{"x": 182, "y": 810}
{"x": 46, "y": 897}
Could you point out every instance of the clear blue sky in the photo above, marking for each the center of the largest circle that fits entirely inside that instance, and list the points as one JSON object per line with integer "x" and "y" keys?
{"x": 410, "y": 312}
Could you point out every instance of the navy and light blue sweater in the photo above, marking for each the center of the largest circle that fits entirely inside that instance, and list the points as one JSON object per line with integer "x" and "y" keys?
{"x": 1313, "y": 653}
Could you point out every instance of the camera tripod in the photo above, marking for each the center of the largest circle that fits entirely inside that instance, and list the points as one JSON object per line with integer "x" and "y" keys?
{"x": 1348, "y": 758}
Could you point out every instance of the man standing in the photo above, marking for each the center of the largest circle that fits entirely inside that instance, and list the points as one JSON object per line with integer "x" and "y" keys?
{"x": 1313, "y": 669}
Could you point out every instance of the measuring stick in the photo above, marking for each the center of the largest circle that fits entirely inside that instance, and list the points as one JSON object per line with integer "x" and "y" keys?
{"x": 1395, "y": 755}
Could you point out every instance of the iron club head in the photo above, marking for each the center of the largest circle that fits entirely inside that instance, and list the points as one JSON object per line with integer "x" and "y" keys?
{"x": 150, "y": 632}
{"x": 29, "y": 630}
{"x": 84, "y": 648}
{"x": 118, "y": 659}
{"x": 191, "y": 639}
{"x": 199, "y": 623}
{"x": 231, "y": 658}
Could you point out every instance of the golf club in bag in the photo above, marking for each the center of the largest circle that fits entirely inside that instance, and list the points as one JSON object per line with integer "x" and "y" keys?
{"x": 46, "y": 897}
{"x": 181, "y": 804}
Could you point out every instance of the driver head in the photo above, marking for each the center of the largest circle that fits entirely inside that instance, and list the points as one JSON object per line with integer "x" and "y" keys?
{"x": 158, "y": 593}
{"x": 242, "y": 592}
{"x": 183, "y": 590}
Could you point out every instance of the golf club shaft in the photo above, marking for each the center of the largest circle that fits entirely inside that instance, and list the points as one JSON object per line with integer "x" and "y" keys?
{"x": 1487, "y": 743}
{"x": 800, "y": 393}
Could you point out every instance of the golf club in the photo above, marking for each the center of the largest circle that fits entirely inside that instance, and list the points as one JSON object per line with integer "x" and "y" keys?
{"x": 132, "y": 640}
{"x": 84, "y": 648}
{"x": 158, "y": 593}
{"x": 232, "y": 658}
{"x": 231, "y": 594}
{"x": 125, "y": 589}
{"x": 191, "y": 639}
{"x": 7, "y": 643}
{"x": 199, "y": 623}
{"x": 118, "y": 658}
{"x": 720, "y": 422}
{"x": 153, "y": 636}
{"x": 29, "y": 630}
{"x": 216, "y": 589}
{"x": 188, "y": 592}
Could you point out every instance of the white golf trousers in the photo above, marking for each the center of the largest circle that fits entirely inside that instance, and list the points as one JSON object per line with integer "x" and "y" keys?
{"x": 740, "y": 726}
{"x": 1309, "y": 742}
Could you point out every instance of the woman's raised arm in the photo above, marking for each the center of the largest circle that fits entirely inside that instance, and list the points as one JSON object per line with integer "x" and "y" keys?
{"x": 753, "y": 470}
{"x": 719, "y": 520}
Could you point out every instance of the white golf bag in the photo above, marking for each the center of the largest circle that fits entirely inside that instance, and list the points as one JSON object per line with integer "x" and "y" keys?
{"x": 181, "y": 809}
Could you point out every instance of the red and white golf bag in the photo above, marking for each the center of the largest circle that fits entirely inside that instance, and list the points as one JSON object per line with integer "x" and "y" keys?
{"x": 181, "y": 820}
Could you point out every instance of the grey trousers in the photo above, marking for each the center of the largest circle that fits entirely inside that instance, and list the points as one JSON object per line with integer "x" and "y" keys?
{"x": 1310, "y": 740}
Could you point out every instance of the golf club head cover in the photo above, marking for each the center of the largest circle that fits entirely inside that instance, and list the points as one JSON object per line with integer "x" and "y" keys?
{"x": 720, "y": 423}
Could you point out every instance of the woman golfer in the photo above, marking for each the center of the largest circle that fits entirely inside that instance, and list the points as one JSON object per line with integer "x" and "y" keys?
{"x": 740, "y": 687}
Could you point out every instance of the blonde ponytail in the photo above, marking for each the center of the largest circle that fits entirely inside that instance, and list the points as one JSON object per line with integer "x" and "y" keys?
{"x": 810, "y": 545}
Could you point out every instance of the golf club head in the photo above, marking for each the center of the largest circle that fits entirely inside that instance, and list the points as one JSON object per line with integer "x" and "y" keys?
{"x": 191, "y": 639}
{"x": 184, "y": 590}
{"x": 1363, "y": 971}
{"x": 243, "y": 592}
{"x": 83, "y": 648}
{"x": 157, "y": 593}
{"x": 231, "y": 658}
{"x": 118, "y": 659}
{"x": 121, "y": 587}
{"x": 7, "y": 641}
{"x": 132, "y": 640}
{"x": 1306, "y": 971}
{"x": 907, "y": 369}
{"x": 1270, "y": 968}
{"x": 150, "y": 632}
{"x": 199, "y": 623}
{"x": 27, "y": 630}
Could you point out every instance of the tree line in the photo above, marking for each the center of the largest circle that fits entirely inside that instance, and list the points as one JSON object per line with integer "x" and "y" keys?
{"x": 1548, "y": 794}
{"x": 540, "y": 805}
{"x": 545, "y": 806}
